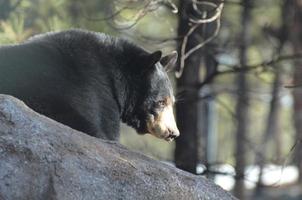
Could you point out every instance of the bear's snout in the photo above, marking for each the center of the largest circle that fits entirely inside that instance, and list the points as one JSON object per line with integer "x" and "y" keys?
{"x": 172, "y": 134}
{"x": 164, "y": 126}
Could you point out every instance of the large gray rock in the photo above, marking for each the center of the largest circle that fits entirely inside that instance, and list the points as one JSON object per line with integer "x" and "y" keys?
{"x": 42, "y": 159}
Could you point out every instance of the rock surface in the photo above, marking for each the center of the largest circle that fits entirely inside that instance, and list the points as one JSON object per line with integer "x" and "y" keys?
{"x": 41, "y": 159}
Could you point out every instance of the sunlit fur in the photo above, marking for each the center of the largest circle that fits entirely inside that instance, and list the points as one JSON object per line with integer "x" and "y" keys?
{"x": 163, "y": 125}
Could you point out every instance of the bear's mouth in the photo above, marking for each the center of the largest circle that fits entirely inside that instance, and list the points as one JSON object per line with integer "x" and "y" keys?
{"x": 166, "y": 135}
{"x": 162, "y": 128}
{"x": 170, "y": 137}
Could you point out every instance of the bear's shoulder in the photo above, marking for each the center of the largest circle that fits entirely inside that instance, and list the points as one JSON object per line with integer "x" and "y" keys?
{"x": 89, "y": 41}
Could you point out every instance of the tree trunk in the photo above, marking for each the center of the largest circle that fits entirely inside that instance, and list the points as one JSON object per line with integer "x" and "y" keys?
{"x": 186, "y": 151}
{"x": 296, "y": 39}
{"x": 242, "y": 102}
{"x": 271, "y": 129}
{"x": 272, "y": 132}
{"x": 192, "y": 111}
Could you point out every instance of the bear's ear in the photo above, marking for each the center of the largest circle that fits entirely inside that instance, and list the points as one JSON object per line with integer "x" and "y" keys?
{"x": 169, "y": 61}
{"x": 149, "y": 60}
{"x": 154, "y": 58}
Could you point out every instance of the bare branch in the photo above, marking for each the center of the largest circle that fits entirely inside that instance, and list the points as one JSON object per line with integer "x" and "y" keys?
{"x": 169, "y": 4}
{"x": 196, "y": 24}
{"x": 293, "y": 86}
{"x": 150, "y": 6}
{"x": 204, "y": 42}
{"x": 217, "y": 14}
{"x": 263, "y": 65}
{"x": 116, "y": 13}
{"x": 183, "y": 50}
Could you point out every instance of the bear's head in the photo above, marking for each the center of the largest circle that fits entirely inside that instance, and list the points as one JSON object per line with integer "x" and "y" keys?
{"x": 154, "y": 99}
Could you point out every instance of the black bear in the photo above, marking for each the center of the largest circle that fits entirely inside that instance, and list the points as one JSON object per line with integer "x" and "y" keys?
{"x": 91, "y": 81}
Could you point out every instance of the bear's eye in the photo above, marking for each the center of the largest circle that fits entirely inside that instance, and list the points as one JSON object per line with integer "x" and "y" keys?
{"x": 161, "y": 103}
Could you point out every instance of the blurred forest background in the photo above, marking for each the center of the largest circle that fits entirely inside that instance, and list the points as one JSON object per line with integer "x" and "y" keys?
{"x": 238, "y": 85}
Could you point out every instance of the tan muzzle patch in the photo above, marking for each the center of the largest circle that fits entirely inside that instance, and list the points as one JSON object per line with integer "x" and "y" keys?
{"x": 164, "y": 126}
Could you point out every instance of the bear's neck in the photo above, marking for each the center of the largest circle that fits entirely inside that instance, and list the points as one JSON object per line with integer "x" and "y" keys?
{"x": 131, "y": 99}
{"x": 123, "y": 94}
{"x": 127, "y": 88}
{"x": 116, "y": 83}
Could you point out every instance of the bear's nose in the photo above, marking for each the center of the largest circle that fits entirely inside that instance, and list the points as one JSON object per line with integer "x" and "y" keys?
{"x": 173, "y": 133}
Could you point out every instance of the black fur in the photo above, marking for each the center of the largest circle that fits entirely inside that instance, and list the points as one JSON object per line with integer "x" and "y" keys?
{"x": 88, "y": 81}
